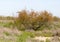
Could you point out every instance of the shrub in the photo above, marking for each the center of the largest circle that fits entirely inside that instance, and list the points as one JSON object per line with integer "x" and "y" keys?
{"x": 33, "y": 20}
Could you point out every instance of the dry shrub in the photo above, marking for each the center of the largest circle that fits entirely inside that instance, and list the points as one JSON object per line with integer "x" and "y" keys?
{"x": 33, "y": 20}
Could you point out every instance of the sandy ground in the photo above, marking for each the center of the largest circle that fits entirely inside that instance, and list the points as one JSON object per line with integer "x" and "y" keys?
{"x": 45, "y": 38}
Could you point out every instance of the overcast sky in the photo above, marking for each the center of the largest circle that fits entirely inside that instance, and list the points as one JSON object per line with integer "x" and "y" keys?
{"x": 10, "y": 7}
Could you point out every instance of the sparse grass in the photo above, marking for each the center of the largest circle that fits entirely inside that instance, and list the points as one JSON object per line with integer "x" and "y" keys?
{"x": 41, "y": 41}
{"x": 7, "y": 24}
{"x": 46, "y": 34}
{"x": 1, "y": 23}
{"x": 5, "y": 40}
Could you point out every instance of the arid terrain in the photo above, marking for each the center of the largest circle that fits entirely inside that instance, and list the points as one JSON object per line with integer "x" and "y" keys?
{"x": 30, "y": 27}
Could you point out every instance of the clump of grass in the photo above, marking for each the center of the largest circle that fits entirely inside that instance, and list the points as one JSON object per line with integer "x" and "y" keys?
{"x": 9, "y": 24}
{"x": 7, "y": 34}
{"x": 24, "y": 36}
{"x": 47, "y": 40}
{"x": 46, "y": 34}
{"x": 41, "y": 41}
{"x": 1, "y": 23}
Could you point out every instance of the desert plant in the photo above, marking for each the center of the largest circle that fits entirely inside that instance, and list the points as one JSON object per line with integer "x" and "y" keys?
{"x": 33, "y": 20}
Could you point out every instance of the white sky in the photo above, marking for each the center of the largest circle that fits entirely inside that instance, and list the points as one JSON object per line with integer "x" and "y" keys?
{"x": 10, "y": 7}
